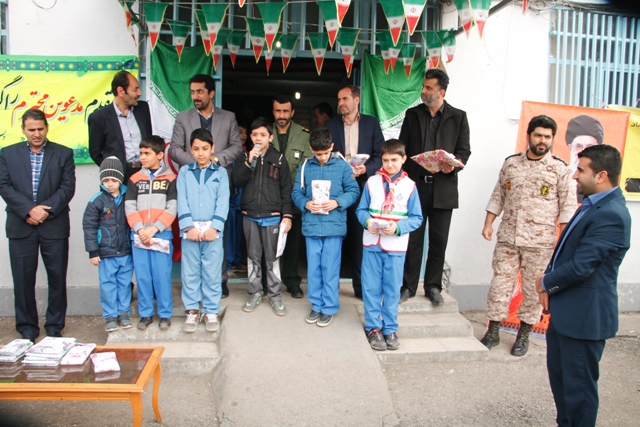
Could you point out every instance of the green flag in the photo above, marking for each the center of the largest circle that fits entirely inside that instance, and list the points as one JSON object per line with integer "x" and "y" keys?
{"x": 271, "y": 17}
{"x": 464, "y": 12}
{"x": 480, "y": 10}
{"x": 318, "y": 42}
{"x": 180, "y": 31}
{"x": 412, "y": 10}
{"x": 348, "y": 38}
{"x": 154, "y": 14}
{"x": 223, "y": 34}
{"x": 169, "y": 85}
{"x": 234, "y": 41}
{"x": 408, "y": 55}
{"x": 214, "y": 15}
{"x": 383, "y": 39}
{"x": 394, "y": 11}
{"x": 288, "y": 45}
{"x": 256, "y": 34}
{"x": 343, "y": 7}
{"x": 448, "y": 40}
{"x": 202, "y": 24}
{"x": 388, "y": 96}
{"x": 434, "y": 47}
{"x": 268, "y": 54}
{"x": 330, "y": 13}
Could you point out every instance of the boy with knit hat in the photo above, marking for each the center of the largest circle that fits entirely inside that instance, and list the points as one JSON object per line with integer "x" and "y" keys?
{"x": 106, "y": 238}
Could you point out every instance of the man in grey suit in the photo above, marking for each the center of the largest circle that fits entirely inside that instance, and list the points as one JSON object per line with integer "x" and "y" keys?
{"x": 223, "y": 127}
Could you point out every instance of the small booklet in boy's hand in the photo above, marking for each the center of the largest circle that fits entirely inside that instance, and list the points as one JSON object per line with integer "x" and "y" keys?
{"x": 157, "y": 244}
{"x": 320, "y": 192}
{"x": 282, "y": 240}
{"x": 430, "y": 160}
{"x": 358, "y": 160}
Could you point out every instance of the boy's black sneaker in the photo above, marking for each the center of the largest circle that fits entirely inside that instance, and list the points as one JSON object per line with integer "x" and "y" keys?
{"x": 312, "y": 317}
{"x": 392, "y": 341}
{"x": 164, "y": 324}
{"x": 376, "y": 341}
{"x": 324, "y": 320}
{"x": 144, "y": 323}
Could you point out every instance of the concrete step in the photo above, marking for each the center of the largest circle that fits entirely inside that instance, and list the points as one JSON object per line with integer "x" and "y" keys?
{"x": 182, "y": 358}
{"x": 174, "y": 333}
{"x": 429, "y": 350}
{"x": 420, "y": 304}
{"x": 433, "y": 325}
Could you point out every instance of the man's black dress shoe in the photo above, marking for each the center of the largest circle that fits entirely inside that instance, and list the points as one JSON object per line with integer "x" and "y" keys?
{"x": 404, "y": 296}
{"x": 31, "y": 338}
{"x": 54, "y": 334}
{"x": 296, "y": 292}
{"x": 435, "y": 296}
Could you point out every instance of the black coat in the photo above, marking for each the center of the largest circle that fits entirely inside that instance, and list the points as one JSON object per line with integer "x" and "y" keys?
{"x": 267, "y": 188}
{"x": 452, "y": 136}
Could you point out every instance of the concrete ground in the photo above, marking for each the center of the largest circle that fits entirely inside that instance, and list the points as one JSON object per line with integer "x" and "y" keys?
{"x": 501, "y": 391}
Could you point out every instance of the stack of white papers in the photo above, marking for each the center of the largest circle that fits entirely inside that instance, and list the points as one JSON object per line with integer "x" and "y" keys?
{"x": 48, "y": 352}
{"x": 14, "y": 350}
{"x": 78, "y": 354}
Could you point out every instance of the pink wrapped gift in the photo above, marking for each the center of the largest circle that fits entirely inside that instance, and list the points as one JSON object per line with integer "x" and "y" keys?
{"x": 430, "y": 160}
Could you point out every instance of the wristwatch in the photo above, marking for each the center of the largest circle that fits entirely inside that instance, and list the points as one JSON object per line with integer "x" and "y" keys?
{"x": 215, "y": 159}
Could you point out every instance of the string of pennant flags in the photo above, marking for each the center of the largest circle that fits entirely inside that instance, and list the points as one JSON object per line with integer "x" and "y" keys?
{"x": 264, "y": 32}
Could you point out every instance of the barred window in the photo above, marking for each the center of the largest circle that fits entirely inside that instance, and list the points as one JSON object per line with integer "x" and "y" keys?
{"x": 594, "y": 58}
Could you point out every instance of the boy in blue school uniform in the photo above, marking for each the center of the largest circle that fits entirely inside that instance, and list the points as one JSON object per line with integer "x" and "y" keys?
{"x": 203, "y": 205}
{"x": 106, "y": 238}
{"x": 389, "y": 210}
{"x": 324, "y": 224}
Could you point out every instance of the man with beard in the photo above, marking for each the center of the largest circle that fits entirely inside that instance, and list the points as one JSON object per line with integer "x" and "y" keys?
{"x": 223, "y": 127}
{"x": 292, "y": 141}
{"x": 433, "y": 125}
{"x": 117, "y": 129}
{"x": 534, "y": 191}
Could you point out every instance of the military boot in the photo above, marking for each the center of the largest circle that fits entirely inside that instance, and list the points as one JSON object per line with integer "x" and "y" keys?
{"x": 492, "y": 337}
{"x": 521, "y": 345}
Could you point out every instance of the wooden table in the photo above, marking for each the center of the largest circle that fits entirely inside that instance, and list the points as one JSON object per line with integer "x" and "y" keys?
{"x": 137, "y": 366}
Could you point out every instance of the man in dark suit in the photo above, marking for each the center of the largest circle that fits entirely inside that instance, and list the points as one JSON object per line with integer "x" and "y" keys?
{"x": 579, "y": 286}
{"x": 117, "y": 129}
{"x": 223, "y": 127}
{"x": 37, "y": 182}
{"x": 354, "y": 133}
{"x": 433, "y": 125}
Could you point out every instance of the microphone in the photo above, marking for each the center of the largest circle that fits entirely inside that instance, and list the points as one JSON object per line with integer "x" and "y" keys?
{"x": 255, "y": 159}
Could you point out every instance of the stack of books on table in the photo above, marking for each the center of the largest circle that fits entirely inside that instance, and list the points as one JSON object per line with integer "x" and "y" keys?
{"x": 48, "y": 352}
{"x": 13, "y": 351}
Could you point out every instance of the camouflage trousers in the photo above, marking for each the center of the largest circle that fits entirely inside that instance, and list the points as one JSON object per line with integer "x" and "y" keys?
{"x": 507, "y": 261}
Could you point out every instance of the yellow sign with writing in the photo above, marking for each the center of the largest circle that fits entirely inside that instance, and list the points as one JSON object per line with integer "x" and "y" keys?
{"x": 630, "y": 177}
{"x": 66, "y": 89}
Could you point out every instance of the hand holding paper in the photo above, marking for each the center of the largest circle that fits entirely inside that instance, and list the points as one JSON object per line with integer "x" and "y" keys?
{"x": 437, "y": 161}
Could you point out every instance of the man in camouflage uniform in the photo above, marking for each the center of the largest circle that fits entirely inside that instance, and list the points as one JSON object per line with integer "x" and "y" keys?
{"x": 534, "y": 191}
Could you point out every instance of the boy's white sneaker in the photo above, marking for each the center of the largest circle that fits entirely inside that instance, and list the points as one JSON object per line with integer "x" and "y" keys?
{"x": 211, "y": 322}
{"x": 191, "y": 323}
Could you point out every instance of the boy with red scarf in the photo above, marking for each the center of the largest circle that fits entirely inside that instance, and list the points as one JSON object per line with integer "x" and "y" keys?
{"x": 389, "y": 210}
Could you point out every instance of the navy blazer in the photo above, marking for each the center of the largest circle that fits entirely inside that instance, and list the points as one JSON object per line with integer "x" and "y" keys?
{"x": 105, "y": 135}
{"x": 369, "y": 141}
{"x": 583, "y": 299}
{"x": 56, "y": 189}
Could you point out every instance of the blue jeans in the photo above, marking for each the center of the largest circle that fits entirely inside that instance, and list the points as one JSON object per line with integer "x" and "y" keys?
{"x": 115, "y": 285}
{"x": 381, "y": 281}
{"x": 323, "y": 273}
{"x": 153, "y": 272}
{"x": 202, "y": 275}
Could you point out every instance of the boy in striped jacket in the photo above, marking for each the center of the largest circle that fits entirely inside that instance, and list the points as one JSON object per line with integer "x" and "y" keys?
{"x": 151, "y": 206}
